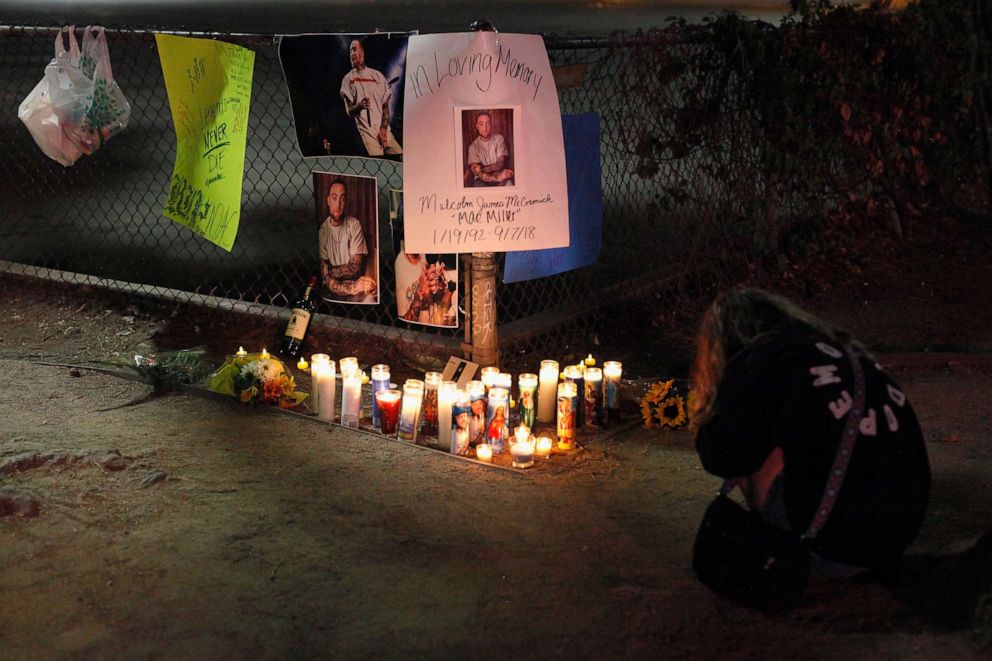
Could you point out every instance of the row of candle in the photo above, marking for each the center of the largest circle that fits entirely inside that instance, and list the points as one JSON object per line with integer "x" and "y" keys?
{"x": 477, "y": 415}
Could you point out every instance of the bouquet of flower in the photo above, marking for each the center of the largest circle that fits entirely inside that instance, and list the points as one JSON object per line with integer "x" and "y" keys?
{"x": 255, "y": 380}
{"x": 665, "y": 405}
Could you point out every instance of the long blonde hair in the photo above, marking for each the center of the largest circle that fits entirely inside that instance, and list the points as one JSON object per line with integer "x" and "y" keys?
{"x": 736, "y": 320}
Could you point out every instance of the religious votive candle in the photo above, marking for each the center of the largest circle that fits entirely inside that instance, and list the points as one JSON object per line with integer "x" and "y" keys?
{"x": 478, "y": 416}
{"x": 264, "y": 355}
{"x": 380, "y": 381}
{"x": 592, "y": 399}
{"x": 527, "y": 399}
{"x": 413, "y": 398}
{"x": 612, "y": 371}
{"x": 567, "y": 393}
{"x": 432, "y": 381}
{"x": 241, "y": 357}
{"x": 389, "y": 410}
{"x": 302, "y": 364}
{"x": 589, "y": 361}
{"x": 573, "y": 374}
{"x": 488, "y": 376}
{"x": 351, "y": 398}
{"x": 459, "y": 430}
{"x": 542, "y": 447}
{"x": 445, "y": 401}
{"x": 547, "y": 390}
{"x": 522, "y": 448}
{"x": 498, "y": 420}
{"x": 484, "y": 452}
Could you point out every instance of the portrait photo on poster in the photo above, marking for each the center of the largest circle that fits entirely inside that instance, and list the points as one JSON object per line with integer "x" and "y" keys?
{"x": 347, "y": 213}
{"x": 485, "y": 140}
{"x": 427, "y": 288}
{"x": 346, "y": 92}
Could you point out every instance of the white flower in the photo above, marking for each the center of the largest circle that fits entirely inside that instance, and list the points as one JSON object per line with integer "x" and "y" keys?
{"x": 267, "y": 371}
{"x": 250, "y": 370}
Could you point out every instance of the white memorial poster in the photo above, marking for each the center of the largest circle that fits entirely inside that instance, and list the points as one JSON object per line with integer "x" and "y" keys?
{"x": 484, "y": 161}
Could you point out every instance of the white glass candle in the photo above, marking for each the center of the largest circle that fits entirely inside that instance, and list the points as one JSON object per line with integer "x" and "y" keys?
{"x": 445, "y": 400}
{"x": 348, "y": 365}
{"x": 488, "y": 376}
{"x": 593, "y": 397}
{"x": 547, "y": 391}
{"x": 612, "y": 371}
{"x": 326, "y": 386}
{"x": 314, "y": 376}
{"x": 351, "y": 398}
{"x": 413, "y": 396}
{"x": 498, "y": 418}
{"x": 503, "y": 380}
{"x": 527, "y": 399}
{"x": 380, "y": 381}
{"x": 483, "y": 452}
{"x": 543, "y": 447}
{"x": 522, "y": 448}
{"x": 567, "y": 393}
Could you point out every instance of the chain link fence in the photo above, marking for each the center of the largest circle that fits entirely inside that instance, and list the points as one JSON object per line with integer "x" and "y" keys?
{"x": 100, "y": 221}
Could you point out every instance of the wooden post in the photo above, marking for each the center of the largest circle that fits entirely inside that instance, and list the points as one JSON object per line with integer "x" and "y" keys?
{"x": 484, "y": 341}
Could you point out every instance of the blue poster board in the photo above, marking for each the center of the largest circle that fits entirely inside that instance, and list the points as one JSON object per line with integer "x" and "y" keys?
{"x": 585, "y": 207}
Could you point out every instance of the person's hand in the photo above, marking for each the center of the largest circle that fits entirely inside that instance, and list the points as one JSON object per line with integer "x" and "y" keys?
{"x": 504, "y": 175}
{"x": 364, "y": 104}
{"x": 383, "y": 136}
{"x": 365, "y": 285}
{"x": 476, "y": 169}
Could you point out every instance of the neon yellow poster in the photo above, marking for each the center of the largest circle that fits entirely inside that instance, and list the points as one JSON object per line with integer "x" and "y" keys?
{"x": 209, "y": 87}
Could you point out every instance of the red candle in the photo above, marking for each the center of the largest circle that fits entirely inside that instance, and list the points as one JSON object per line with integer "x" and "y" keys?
{"x": 389, "y": 409}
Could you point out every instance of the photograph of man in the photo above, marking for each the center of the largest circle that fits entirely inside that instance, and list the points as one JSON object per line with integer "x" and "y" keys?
{"x": 346, "y": 92}
{"x": 488, "y": 156}
{"x": 427, "y": 288}
{"x": 366, "y": 96}
{"x": 348, "y": 247}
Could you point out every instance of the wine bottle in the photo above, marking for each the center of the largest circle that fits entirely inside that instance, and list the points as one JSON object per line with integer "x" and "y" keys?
{"x": 299, "y": 322}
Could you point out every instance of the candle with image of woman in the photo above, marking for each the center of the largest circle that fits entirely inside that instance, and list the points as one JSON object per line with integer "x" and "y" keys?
{"x": 593, "y": 397}
{"x": 567, "y": 394}
{"x": 498, "y": 427}
{"x": 573, "y": 374}
{"x": 527, "y": 388}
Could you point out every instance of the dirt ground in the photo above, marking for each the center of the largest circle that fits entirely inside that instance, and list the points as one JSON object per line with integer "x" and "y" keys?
{"x": 184, "y": 527}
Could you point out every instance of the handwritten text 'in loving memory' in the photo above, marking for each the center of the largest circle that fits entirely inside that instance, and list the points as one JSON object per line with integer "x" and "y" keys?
{"x": 481, "y": 65}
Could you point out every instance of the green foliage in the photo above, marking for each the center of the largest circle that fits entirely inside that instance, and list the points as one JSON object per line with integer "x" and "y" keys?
{"x": 170, "y": 370}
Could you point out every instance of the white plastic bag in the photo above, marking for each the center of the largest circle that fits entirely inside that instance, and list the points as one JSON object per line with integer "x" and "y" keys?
{"x": 77, "y": 105}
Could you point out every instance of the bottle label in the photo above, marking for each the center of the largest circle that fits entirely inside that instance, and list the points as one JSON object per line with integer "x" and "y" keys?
{"x": 297, "y": 327}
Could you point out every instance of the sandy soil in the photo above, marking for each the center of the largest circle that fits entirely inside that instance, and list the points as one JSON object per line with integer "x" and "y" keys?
{"x": 180, "y": 526}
